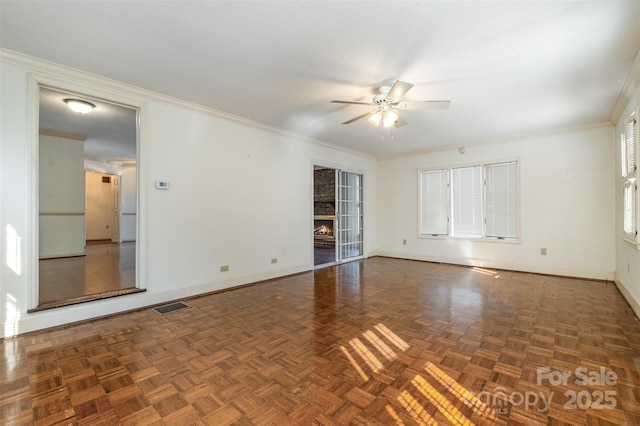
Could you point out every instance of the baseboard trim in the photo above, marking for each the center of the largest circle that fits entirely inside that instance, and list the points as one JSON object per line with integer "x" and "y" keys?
{"x": 485, "y": 263}
{"x": 38, "y": 320}
{"x": 633, "y": 303}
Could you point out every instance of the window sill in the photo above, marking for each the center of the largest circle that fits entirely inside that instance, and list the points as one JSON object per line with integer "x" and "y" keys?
{"x": 472, "y": 239}
{"x": 633, "y": 243}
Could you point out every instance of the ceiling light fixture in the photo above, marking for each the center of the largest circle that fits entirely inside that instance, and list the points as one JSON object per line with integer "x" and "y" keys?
{"x": 388, "y": 117}
{"x": 374, "y": 119}
{"x": 81, "y": 107}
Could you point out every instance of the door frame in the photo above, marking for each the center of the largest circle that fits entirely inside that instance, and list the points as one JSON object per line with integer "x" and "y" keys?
{"x": 337, "y": 169}
{"x": 91, "y": 89}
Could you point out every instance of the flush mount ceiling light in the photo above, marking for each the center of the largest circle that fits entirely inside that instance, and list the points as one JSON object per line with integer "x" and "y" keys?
{"x": 81, "y": 107}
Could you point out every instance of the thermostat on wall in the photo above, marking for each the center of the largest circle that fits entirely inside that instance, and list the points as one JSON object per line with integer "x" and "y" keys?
{"x": 162, "y": 184}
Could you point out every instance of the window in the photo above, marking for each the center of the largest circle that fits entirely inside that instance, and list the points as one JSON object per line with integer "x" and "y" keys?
{"x": 476, "y": 202}
{"x": 628, "y": 145}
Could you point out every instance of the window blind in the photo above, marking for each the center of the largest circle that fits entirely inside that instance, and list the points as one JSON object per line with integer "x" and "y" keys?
{"x": 629, "y": 173}
{"x": 466, "y": 201}
{"x": 631, "y": 146}
{"x": 435, "y": 202}
{"x": 628, "y": 142}
{"x": 501, "y": 215}
{"x": 630, "y": 208}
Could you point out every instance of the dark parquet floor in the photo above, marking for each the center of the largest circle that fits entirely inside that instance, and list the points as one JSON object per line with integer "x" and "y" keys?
{"x": 104, "y": 268}
{"x": 379, "y": 341}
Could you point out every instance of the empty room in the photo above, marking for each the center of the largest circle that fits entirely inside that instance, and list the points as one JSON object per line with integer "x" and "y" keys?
{"x": 319, "y": 212}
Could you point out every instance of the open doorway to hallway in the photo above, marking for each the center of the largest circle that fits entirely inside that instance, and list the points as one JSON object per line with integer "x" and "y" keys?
{"x": 87, "y": 199}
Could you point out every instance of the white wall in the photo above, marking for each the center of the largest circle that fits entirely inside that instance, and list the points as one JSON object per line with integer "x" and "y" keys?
{"x": 240, "y": 195}
{"x": 627, "y": 255}
{"x": 61, "y": 200}
{"x": 566, "y": 200}
{"x": 128, "y": 207}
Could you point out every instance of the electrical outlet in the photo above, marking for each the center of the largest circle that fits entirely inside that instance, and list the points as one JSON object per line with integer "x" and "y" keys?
{"x": 628, "y": 267}
{"x": 224, "y": 268}
{"x": 274, "y": 260}
{"x": 404, "y": 242}
{"x": 543, "y": 251}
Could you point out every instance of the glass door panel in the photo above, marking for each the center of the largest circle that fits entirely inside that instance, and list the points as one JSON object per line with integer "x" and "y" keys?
{"x": 350, "y": 215}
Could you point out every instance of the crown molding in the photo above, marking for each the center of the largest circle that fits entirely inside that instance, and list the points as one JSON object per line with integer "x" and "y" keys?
{"x": 501, "y": 140}
{"x": 54, "y": 70}
{"x": 626, "y": 94}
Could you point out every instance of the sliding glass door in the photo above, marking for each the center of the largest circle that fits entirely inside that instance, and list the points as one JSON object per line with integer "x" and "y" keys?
{"x": 350, "y": 215}
{"x": 338, "y": 216}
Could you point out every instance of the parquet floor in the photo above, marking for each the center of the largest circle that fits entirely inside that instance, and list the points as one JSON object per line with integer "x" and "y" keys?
{"x": 379, "y": 341}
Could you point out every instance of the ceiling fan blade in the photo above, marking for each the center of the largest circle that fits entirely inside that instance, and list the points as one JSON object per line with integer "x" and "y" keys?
{"x": 423, "y": 105}
{"x": 401, "y": 121}
{"x": 351, "y": 102}
{"x": 358, "y": 117}
{"x": 398, "y": 90}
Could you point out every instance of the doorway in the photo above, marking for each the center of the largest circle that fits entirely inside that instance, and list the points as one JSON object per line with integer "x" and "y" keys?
{"x": 102, "y": 220}
{"x": 337, "y": 216}
{"x": 87, "y": 176}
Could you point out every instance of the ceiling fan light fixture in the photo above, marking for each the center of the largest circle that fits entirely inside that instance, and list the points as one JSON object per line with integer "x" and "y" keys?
{"x": 390, "y": 118}
{"x": 375, "y": 118}
{"x": 389, "y": 100}
{"x": 79, "y": 106}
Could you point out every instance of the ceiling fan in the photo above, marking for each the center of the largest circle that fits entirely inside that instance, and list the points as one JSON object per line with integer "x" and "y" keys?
{"x": 386, "y": 104}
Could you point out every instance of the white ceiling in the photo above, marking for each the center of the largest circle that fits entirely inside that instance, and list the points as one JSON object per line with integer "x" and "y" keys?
{"x": 508, "y": 67}
{"x": 109, "y": 129}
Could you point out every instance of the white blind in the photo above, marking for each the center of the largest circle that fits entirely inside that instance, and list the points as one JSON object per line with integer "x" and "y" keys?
{"x": 631, "y": 146}
{"x": 467, "y": 201}
{"x": 630, "y": 208}
{"x": 435, "y": 202}
{"x": 628, "y": 150}
{"x": 501, "y": 200}
{"x": 629, "y": 167}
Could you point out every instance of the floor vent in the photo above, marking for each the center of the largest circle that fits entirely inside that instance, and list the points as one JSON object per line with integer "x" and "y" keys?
{"x": 165, "y": 309}
{"x": 636, "y": 362}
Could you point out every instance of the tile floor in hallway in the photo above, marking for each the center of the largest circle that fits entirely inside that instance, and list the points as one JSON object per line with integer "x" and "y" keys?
{"x": 378, "y": 341}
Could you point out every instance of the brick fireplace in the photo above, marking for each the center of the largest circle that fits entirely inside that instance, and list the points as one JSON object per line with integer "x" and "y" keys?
{"x": 324, "y": 208}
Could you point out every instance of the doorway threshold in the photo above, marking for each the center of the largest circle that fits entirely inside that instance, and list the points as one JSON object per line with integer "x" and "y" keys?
{"x": 325, "y": 265}
{"x": 85, "y": 298}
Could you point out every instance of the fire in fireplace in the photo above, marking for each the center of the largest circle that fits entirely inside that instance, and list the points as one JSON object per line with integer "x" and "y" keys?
{"x": 323, "y": 231}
